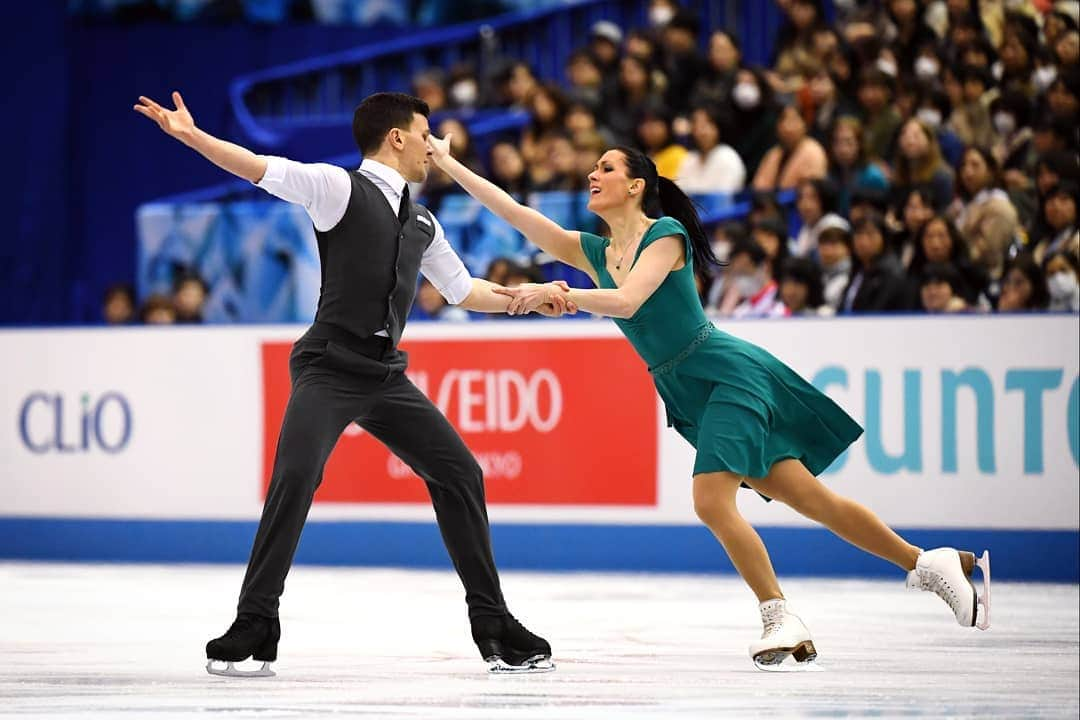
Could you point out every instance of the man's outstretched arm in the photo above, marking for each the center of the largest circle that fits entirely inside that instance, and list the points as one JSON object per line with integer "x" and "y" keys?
{"x": 179, "y": 124}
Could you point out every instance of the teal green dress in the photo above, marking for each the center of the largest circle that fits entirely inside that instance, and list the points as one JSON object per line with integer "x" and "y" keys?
{"x": 741, "y": 408}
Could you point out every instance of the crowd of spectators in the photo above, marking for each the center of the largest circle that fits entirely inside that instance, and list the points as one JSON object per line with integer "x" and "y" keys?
{"x": 183, "y": 307}
{"x": 931, "y": 147}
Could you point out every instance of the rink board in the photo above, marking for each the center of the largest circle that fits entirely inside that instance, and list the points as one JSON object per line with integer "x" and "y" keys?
{"x": 156, "y": 445}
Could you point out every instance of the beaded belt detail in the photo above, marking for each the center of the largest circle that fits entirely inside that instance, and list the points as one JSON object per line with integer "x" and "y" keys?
{"x": 703, "y": 334}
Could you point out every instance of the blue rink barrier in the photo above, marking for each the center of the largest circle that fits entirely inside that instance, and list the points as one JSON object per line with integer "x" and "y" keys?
{"x": 1026, "y": 555}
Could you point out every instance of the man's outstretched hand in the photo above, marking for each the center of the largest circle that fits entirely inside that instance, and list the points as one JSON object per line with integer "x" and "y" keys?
{"x": 177, "y": 123}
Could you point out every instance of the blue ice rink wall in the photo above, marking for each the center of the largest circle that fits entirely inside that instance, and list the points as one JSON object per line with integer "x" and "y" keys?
{"x": 146, "y": 445}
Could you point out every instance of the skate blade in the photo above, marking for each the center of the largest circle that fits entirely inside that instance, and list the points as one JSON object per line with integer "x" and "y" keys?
{"x": 230, "y": 670}
{"x": 790, "y": 664}
{"x": 983, "y": 618}
{"x": 531, "y": 666}
{"x": 801, "y": 658}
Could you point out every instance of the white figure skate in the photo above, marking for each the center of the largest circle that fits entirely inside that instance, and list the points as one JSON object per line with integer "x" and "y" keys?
{"x": 784, "y": 636}
{"x": 947, "y": 573}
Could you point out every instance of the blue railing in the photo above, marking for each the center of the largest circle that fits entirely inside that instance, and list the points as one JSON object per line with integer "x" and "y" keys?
{"x": 324, "y": 90}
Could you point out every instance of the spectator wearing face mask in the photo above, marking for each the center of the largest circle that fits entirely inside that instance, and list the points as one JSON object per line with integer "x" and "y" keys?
{"x": 1013, "y": 150}
{"x": 1062, "y": 272}
{"x": 752, "y": 290}
{"x": 932, "y": 108}
{"x": 464, "y": 89}
{"x": 753, "y": 118}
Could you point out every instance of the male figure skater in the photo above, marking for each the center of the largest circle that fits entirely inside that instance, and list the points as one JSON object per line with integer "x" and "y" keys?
{"x": 346, "y": 368}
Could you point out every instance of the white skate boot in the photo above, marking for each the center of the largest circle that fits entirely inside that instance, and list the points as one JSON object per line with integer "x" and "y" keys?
{"x": 784, "y": 636}
{"x": 947, "y": 573}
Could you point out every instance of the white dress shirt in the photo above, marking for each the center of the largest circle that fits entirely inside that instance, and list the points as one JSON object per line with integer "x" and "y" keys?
{"x": 324, "y": 191}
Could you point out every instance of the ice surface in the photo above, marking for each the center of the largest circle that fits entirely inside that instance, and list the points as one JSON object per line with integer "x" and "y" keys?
{"x": 97, "y": 641}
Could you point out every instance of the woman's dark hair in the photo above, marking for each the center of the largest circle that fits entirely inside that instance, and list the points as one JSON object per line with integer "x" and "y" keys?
{"x": 962, "y": 189}
{"x": 377, "y": 114}
{"x": 826, "y": 193}
{"x": 959, "y": 251}
{"x": 805, "y": 271}
{"x": 1040, "y": 293}
{"x": 663, "y": 197}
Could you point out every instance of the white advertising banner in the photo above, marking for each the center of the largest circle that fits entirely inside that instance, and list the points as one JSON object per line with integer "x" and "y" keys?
{"x": 970, "y": 422}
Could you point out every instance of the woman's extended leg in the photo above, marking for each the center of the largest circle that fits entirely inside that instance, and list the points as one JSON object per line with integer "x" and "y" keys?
{"x": 714, "y": 503}
{"x": 792, "y": 484}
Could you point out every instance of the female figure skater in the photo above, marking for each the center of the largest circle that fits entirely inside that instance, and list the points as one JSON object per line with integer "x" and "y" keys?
{"x": 753, "y": 421}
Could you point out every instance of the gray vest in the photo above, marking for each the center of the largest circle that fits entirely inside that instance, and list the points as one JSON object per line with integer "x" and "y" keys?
{"x": 370, "y": 263}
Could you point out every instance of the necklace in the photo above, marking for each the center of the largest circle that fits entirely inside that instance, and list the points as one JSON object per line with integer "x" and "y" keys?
{"x": 618, "y": 263}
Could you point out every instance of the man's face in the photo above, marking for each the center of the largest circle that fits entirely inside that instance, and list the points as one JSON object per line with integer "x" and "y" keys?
{"x": 412, "y": 144}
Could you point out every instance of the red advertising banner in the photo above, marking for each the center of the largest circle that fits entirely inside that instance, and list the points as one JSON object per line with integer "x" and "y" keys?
{"x": 551, "y": 421}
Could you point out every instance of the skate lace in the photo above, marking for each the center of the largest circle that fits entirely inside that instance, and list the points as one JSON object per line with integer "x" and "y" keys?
{"x": 773, "y": 619}
{"x": 936, "y": 583}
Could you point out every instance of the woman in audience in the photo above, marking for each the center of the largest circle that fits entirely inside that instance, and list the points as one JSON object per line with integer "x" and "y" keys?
{"x": 795, "y": 158}
{"x": 710, "y": 166}
{"x": 918, "y": 161}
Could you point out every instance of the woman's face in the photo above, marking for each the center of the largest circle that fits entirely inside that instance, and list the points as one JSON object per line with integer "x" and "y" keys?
{"x": 831, "y": 253}
{"x": 845, "y": 145}
{"x": 1045, "y": 178}
{"x": 868, "y": 243}
{"x": 632, "y": 75}
{"x": 1062, "y": 102}
{"x": 768, "y": 242}
{"x": 543, "y": 106}
{"x": 974, "y": 172}
{"x": 609, "y": 184}
{"x": 1014, "y": 56}
{"x": 916, "y": 212}
{"x": 723, "y": 55}
{"x": 794, "y": 293}
{"x": 903, "y": 10}
{"x": 703, "y": 130}
{"x": 937, "y": 243}
{"x": 1060, "y": 211}
{"x": 790, "y": 128}
{"x": 580, "y": 120}
{"x": 914, "y": 144}
{"x": 802, "y": 14}
{"x": 1015, "y": 292}
{"x": 936, "y": 295}
{"x": 1067, "y": 48}
{"x": 506, "y": 162}
{"x": 808, "y": 203}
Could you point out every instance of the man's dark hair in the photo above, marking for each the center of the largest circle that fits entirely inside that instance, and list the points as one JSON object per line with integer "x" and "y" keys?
{"x": 377, "y": 114}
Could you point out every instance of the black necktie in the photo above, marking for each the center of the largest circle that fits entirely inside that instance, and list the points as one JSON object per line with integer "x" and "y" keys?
{"x": 403, "y": 212}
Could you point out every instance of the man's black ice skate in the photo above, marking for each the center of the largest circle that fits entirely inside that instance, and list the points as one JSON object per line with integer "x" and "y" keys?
{"x": 509, "y": 648}
{"x": 250, "y": 636}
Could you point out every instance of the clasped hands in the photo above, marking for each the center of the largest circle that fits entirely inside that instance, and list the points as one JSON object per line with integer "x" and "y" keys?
{"x": 549, "y": 299}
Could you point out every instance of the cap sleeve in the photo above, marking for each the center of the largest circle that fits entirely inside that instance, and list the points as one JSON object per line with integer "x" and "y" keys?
{"x": 665, "y": 227}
